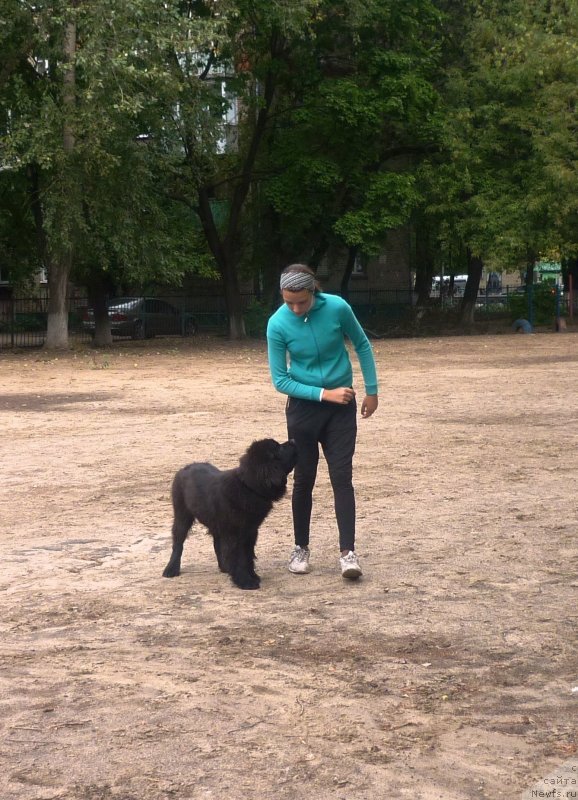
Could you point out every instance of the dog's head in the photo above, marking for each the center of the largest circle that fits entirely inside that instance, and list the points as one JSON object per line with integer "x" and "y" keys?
{"x": 266, "y": 465}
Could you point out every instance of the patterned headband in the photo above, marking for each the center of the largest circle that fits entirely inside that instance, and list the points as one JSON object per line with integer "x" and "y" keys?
{"x": 296, "y": 281}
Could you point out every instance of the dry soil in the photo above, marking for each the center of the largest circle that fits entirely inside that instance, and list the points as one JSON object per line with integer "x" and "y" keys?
{"x": 445, "y": 672}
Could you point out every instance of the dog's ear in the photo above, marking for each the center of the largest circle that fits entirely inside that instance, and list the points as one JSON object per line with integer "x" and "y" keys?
{"x": 261, "y": 467}
{"x": 276, "y": 476}
{"x": 261, "y": 450}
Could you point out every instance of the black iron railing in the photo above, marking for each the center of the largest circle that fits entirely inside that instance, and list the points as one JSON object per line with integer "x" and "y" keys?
{"x": 23, "y": 320}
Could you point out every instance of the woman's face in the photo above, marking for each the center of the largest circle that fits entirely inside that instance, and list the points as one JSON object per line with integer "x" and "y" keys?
{"x": 299, "y": 302}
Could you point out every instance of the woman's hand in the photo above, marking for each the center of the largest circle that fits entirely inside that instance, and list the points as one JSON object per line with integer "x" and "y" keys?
{"x": 369, "y": 405}
{"x": 342, "y": 396}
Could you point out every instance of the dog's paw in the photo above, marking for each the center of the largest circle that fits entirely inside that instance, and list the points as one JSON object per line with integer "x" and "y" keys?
{"x": 248, "y": 583}
{"x": 171, "y": 572}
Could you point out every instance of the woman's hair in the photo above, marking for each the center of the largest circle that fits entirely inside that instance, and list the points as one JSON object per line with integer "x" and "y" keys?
{"x": 298, "y": 270}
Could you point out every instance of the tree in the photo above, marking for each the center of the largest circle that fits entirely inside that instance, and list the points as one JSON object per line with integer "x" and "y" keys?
{"x": 253, "y": 60}
{"x": 86, "y": 85}
{"x": 353, "y": 118}
{"x": 18, "y": 254}
{"x": 351, "y": 128}
{"x": 331, "y": 98}
{"x": 494, "y": 190}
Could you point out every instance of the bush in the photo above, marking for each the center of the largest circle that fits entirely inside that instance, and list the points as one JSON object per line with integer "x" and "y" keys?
{"x": 542, "y": 297}
{"x": 33, "y": 321}
{"x": 256, "y": 316}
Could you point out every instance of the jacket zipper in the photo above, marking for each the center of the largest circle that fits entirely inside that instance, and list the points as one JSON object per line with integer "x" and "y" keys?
{"x": 318, "y": 353}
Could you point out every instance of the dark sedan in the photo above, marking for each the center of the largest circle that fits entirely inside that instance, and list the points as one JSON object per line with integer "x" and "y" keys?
{"x": 145, "y": 317}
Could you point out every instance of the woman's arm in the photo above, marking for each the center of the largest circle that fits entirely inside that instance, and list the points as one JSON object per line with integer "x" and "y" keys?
{"x": 361, "y": 343}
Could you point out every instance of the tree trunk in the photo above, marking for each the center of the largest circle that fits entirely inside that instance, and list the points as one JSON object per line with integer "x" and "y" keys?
{"x": 475, "y": 268}
{"x": 530, "y": 264}
{"x": 233, "y": 300}
{"x": 318, "y": 251}
{"x": 240, "y": 192}
{"x": 57, "y": 330}
{"x": 98, "y": 301}
{"x": 349, "y": 264}
{"x": 33, "y": 174}
{"x": 225, "y": 247}
{"x": 225, "y": 265}
{"x": 424, "y": 268}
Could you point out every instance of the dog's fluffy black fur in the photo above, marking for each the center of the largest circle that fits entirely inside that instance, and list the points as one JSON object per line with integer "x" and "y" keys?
{"x": 232, "y": 504}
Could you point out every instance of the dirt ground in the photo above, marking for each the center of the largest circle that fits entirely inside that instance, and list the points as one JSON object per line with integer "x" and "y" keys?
{"x": 445, "y": 672}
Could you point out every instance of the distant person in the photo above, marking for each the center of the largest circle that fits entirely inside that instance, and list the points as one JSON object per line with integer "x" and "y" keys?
{"x": 309, "y": 330}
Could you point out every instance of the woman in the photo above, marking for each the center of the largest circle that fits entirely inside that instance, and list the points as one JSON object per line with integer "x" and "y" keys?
{"x": 309, "y": 328}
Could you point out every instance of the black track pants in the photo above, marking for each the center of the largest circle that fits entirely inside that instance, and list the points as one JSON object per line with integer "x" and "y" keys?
{"x": 334, "y": 427}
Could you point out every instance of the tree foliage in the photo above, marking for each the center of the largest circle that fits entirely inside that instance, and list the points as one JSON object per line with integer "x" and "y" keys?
{"x": 348, "y": 132}
{"x": 353, "y": 118}
{"x": 505, "y": 184}
{"x": 97, "y": 138}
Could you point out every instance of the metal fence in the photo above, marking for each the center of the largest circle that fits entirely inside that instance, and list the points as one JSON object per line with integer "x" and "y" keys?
{"x": 381, "y": 304}
{"x": 539, "y": 304}
{"x": 23, "y": 320}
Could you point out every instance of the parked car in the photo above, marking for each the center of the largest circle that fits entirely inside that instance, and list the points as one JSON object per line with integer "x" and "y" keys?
{"x": 145, "y": 317}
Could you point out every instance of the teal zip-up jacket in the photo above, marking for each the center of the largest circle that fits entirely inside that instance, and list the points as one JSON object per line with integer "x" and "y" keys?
{"x": 318, "y": 357}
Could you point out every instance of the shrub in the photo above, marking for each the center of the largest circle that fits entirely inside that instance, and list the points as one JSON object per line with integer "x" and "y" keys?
{"x": 256, "y": 316}
{"x": 32, "y": 321}
{"x": 542, "y": 297}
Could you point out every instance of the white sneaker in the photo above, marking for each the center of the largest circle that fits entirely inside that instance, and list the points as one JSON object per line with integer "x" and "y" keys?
{"x": 350, "y": 566}
{"x": 299, "y": 560}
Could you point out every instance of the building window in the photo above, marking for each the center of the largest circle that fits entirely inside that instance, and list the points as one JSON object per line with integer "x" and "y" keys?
{"x": 229, "y": 140}
{"x": 360, "y": 266}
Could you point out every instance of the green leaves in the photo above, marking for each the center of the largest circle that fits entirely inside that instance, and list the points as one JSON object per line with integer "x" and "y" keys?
{"x": 341, "y": 163}
{"x": 354, "y": 116}
{"x": 113, "y": 198}
{"x": 506, "y": 182}
{"x": 388, "y": 202}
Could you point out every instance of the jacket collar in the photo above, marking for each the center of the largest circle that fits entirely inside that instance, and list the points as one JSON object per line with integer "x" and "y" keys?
{"x": 318, "y": 303}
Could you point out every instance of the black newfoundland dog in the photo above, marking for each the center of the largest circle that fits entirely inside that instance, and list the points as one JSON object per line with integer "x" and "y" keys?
{"x": 232, "y": 504}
